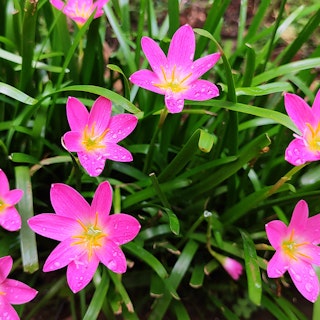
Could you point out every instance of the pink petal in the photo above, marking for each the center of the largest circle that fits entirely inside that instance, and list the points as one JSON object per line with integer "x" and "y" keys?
{"x": 182, "y": 47}
{"x": 297, "y": 153}
{"x": 67, "y": 202}
{"x": 310, "y": 254}
{"x": 4, "y": 183}
{"x": 277, "y": 265}
{"x": 7, "y": 312}
{"x": 122, "y": 228}
{"x": 120, "y": 127}
{"x": 316, "y": 106}
{"x": 154, "y": 55}
{"x": 5, "y": 267}
{"x": 174, "y": 103}
{"x": 202, "y": 65}
{"x": 112, "y": 256}
{"x": 276, "y": 232}
{"x": 58, "y": 4}
{"x": 299, "y": 217}
{"x": 305, "y": 279}
{"x": 53, "y": 226}
{"x": 17, "y": 292}
{"x": 72, "y": 141}
{"x": 93, "y": 162}
{"x": 13, "y": 197}
{"x": 102, "y": 201}
{"x": 313, "y": 227}
{"x": 299, "y": 111}
{"x": 63, "y": 254}
{"x": 146, "y": 79}
{"x": 100, "y": 115}
{"x": 10, "y": 219}
{"x": 117, "y": 153}
{"x": 77, "y": 114}
{"x": 201, "y": 90}
{"x": 80, "y": 272}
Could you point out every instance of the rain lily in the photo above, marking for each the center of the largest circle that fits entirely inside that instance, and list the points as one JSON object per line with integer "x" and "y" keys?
{"x": 233, "y": 267}
{"x": 12, "y": 291}
{"x": 306, "y": 146}
{"x": 94, "y": 136}
{"x": 176, "y": 76}
{"x": 9, "y": 216}
{"x": 80, "y": 10}
{"x": 88, "y": 234}
{"x": 297, "y": 250}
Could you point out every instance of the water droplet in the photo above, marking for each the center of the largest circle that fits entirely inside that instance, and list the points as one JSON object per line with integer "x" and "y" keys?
{"x": 295, "y": 276}
{"x": 44, "y": 229}
{"x": 197, "y": 94}
{"x": 114, "y": 136}
{"x": 57, "y": 264}
{"x": 312, "y": 273}
{"x": 309, "y": 287}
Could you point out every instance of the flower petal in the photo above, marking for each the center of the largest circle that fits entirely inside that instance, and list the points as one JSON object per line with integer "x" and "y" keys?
{"x": 174, "y": 103}
{"x": 13, "y": 197}
{"x": 316, "y": 106}
{"x": 146, "y": 79}
{"x": 10, "y": 219}
{"x": 117, "y": 153}
{"x": 305, "y": 279}
{"x": 72, "y": 141}
{"x": 112, "y": 256}
{"x": 77, "y": 114}
{"x": 201, "y": 90}
{"x": 276, "y": 232}
{"x": 299, "y": 217}
{"x": 310, "y": 254}
{"x": 154, "y": 55}
{"x": 53, "y": 226}
{"x": 102, "y": 201}
{"x": 7, "y": 311}
{"x": 100, "y": 115}
{"x": 93, "y": 162}
{"x": 81, "y": 271}
{"x": 17, "y": 292}
{"x": 4, "y": 183}
{"x": 58, "y": 4}
{"x": 313, "y": 227}
{"x": 62, "y": 255}
{"x": 5, "y": 267}
{"x": 297, "y": 153}
{"x": 120, "y": 127}
{"x": 67, "y": 202}
{"x": 277, "y": 265}
{"x": 182, "y": 47}
{"x": 299, "y": 111}
{"x": 122, "y": 228}
{"x": 202, "y": 65}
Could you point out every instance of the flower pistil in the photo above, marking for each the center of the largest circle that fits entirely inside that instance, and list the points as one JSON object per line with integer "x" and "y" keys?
{"x": 91, "y": 141}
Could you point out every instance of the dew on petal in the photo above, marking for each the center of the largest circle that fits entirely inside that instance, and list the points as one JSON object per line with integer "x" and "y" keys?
{"x": 309, "y": 287}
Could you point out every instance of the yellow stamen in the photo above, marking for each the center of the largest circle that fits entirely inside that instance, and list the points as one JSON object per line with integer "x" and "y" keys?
{"x": 313, "y": 137}
{"x": 3, "y": 205}
{"x": 91, "y": 141}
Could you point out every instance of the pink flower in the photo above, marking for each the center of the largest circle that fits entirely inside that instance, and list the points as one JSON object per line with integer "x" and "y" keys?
{"x": 9, "y": 216}
{"x": 233, "y": 267}
{"x": 94, "y": 136}
{"x": 306, "y": 146}
{"x": 88, "y": 234}
{"x": 12, "y": 291}
{"x": 297, "y": 250}
{"x": 80, "y": 10}
{"x": 176, "y": 76}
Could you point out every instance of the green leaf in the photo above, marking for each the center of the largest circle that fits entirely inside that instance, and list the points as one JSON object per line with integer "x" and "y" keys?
{"x": 264, "y": 89}
{"x": 173, "y": 221}
{"x": 16, "y": 94}
{"x": 197, "y": 276}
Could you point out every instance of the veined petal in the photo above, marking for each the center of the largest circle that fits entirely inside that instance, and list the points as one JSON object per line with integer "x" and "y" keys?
{"x": 299, "y": 111}
{"x": 4, "y": 183}
{"x": 102, "y": 201}
{"x": 146, "y": 79}
{"x": 53, "y": 226}
{"x": 7, "y": 311}
{"x": 67, "y": 202}
{"x": 276, "y": 232}
{"x": 297, "y": 153}
{"x": 17, "y": 292}
{"x": 112, "y": 256}
{"x": 316, "y": 106}
{"x": 62, "y": 255}
{"x": 299, "y": 217}
{"x": 77, "y": 114}
{"x": 5, "y": 267}
{"x": 10, "y": 219}
{"x": 117, "y": 153}
{"x": 122, "y": 228}
{"x": 154, "y": 54}
{"x": 81, "y": 271}
{"x": 305, "y": 279}
{"x": 200, "y": 90}
{"x": 120, "y": 126}
{"x": 277, "y": 265}
{"x": 93, "y": 162}
{"x": 58, "y": 4}
{"x": 174, "y": 103}
{"x": 202, "y": 65}
{"x": 72, "y": 141}
{"x": 13, "y": 196}
{"x": 182, "y": 47}
{"x": 100, "y": 115}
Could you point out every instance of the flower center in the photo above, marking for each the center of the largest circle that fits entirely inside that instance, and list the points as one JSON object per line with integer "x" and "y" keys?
{"x": 172, "y": 82}
{"x": 292, "y": 249}
{"x": 91, "y": 237}
{"x": 83, "y": 11}
{"x": 91, "y": 141}
{"x": 312, "y": 137}
{"x": 3, "y": 205}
